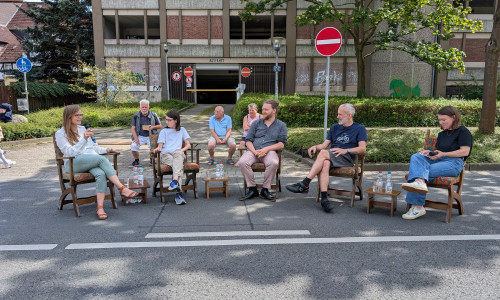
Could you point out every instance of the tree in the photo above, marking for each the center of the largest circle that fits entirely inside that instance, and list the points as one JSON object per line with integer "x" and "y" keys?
{"x": 389, "y": 26}
{"x": 62, "y": 35}
{"x": 488, "y": 111}
{"x": 107, "y": 85}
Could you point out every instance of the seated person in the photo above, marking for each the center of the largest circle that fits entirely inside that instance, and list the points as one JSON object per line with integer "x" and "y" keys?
{"x": 6, "y": 162}
{"x": 74, "y": 140}
{"x": 346, "y": 138}
{"x": 265, "y": 136}
{"x": 172, "y": 153}
{"x": 5, "y": 112}
{"x": 143, "y": 123}
{"x": 453, "y": 147}
{"x": 220, "y": 129}
{"x": 248, "y": 120}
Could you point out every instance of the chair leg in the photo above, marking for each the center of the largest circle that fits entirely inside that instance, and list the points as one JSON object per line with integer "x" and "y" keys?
{"x": 161, "y": 189}
{"x": 75, "y": 201}
{"x": 65, "y": 193}
{"x": 194, "y": 186}
{"x": 111, "y": 187}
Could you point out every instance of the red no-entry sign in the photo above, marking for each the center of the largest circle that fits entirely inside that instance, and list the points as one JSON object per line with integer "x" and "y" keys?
{"x": 245, "y": 72}
{"x": 328, "y": 41}
{"x": 188, "y": 71}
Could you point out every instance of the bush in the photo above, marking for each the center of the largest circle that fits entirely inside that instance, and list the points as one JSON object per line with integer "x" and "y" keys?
{"x": 397, "y": 145}
{"x": 308, "y": 111}
{"x": 44, "y": 122}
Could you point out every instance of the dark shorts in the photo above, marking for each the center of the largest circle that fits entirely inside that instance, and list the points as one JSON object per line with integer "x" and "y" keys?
{"x": 341, "y": 160}
{"x": 243, "y": 138}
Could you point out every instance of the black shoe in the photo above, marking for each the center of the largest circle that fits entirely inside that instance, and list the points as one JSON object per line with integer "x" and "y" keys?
{"x": 298, "y": 188}
{"x": 250, "y": 194}
{"x": 327, "y": 205}
{"x": 264, "y": 193}
{"x": 135, "y": 162}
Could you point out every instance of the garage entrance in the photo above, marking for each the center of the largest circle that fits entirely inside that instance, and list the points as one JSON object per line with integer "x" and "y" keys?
{"x": 216, "y": 77}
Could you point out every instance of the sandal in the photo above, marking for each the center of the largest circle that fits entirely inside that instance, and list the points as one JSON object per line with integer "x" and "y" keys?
{"x": 230, "y": 161}
{"x": 129, "y": 195}
{"x": 101, "y": 216}
{"x": 210, "y": 162}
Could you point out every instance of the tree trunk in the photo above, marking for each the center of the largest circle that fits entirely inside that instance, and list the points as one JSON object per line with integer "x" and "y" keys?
{"x": 488, "y": 111}
{"x": 361, "y": 92}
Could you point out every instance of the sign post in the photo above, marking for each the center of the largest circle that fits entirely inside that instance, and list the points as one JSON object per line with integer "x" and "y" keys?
{"x": 328, "y": 42}
{"x": 24, "y": 65}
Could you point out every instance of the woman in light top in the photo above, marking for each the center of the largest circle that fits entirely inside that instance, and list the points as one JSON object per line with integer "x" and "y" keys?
{"x": 170, "y": 143}
{"x": 248, "y": 120}
{"x": 74, "y": 140}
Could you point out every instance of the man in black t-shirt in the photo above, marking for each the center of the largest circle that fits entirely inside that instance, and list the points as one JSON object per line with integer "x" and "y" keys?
{"x": 346, "y": 139}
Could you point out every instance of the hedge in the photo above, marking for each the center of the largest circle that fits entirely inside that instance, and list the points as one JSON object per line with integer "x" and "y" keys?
{"x": 308, "y": 111}
{"x": 44, "y": 122}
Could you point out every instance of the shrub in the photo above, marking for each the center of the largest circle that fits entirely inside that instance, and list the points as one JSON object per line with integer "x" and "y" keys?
{"x": 308, "y": 111}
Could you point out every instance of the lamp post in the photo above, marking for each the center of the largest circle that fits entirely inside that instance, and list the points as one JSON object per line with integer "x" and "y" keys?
{"x": 276, "y": 42}
{"x": 165, "y": 48}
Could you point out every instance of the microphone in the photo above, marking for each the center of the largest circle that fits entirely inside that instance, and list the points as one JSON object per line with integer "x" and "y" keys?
{"x": 87, "y": 126}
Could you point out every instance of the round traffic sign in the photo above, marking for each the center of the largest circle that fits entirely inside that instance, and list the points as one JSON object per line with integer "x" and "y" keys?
{"x": 23, "y": 65}
{"x": 188, "y": 71}
{"x": 245, "y": 72}
{"x": 189, "y": 79}
{"x": 328, "y": 41}
{"x": 176, "y": 76}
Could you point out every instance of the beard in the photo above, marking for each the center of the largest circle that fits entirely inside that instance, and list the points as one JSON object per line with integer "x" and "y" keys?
{"x": 343, "y": 121}
{"x": 267, "y": 117}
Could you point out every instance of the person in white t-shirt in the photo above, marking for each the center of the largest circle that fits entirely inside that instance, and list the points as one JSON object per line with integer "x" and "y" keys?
{"x": 172, "y": 142}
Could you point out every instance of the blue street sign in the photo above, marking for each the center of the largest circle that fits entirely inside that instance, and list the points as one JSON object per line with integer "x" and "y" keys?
{"x": 23, "y": 65}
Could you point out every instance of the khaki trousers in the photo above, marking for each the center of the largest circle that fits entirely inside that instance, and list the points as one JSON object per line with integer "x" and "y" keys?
{"x": 175, "y": 160}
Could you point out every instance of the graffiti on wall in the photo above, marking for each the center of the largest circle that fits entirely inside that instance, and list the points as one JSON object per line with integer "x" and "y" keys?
{"x": 402, "y": 90}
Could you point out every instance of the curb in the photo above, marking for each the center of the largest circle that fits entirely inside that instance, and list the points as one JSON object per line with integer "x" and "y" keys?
{"x": 397, "y": 166}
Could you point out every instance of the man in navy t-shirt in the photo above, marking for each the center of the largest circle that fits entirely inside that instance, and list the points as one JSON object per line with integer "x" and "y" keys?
{"x": 346, "y": 139}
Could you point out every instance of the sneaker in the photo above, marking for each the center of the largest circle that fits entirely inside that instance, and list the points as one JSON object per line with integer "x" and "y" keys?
{"x": 174, "y": 186}
{"x": 327, "y": 205}
{"x": 6, "y": 166}
{"x": 135, "y": 162}
{"x": 414, "y": 213}
{"x": 179, "y": 200}
{"x": 298, "y": 188}
{"x": 415, "y": 186}
{"x": 11, "y": 162}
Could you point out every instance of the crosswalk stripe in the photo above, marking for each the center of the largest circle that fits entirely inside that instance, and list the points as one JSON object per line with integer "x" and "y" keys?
{"x": 239, "y": 242}
{"x": 226, "y": 233}
{"x": 27, "y": 247}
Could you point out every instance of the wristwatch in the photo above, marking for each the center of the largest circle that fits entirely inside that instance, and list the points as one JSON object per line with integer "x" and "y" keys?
{"x": 349, "y": 150}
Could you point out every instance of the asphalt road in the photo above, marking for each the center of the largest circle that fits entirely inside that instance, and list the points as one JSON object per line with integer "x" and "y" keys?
{"x": 223, "y": 248}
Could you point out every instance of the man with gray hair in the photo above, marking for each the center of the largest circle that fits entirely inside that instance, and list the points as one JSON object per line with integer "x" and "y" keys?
{"x": 346, "y": 138}
{"x": 220, "y": 126}
{"x": 143, "y": 123}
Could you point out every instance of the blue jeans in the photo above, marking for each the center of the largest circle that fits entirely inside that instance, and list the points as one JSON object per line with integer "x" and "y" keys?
{"x": 97, "y": 165}
{"x": 427, "y": 169}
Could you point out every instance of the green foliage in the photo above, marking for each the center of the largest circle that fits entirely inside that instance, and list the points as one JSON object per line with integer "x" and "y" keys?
{"x": 397, "y": 145}
{"x": 43, "y": 91}
{"x": 62, "y": 35}
{"x": 308, "y": 111}
{"x": 108, "y": 85}
{"x": 43, "y": 123}
{"x": 390, "y": 26}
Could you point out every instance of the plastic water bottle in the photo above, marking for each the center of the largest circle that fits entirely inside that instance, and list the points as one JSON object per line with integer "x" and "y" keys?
{"x": 221, "y": 170}
{"x": 304, "y": 151}
{"x": 140, "y": 177}
{"x": 388, "y": 184}
{"x": 379, "y": 183}
{"x": 136, "y": 174}
{"x": 217, "y": 170}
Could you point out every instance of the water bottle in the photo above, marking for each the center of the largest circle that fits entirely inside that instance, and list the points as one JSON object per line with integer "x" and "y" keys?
{"x": 140, "y": 177}
{"x": 304, "y": 151}
{"x": 217, "y": 170}
{"x": 221, "y": 170}
{"x": 388, "y": 184}
{"x": 379, "y": 183}
{"x": 136, "y": 174}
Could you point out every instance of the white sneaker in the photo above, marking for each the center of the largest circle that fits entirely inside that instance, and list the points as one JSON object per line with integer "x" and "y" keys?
{"x": 11, "y": 162}
{"x": 415, "y": 186}
{"x": 6, "y": 166}
{"x": 414, "y": 213}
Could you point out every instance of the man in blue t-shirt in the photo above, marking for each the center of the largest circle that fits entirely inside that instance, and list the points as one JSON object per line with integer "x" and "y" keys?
{"x": 220, "y": 126}
{"x": 346, "y": 139}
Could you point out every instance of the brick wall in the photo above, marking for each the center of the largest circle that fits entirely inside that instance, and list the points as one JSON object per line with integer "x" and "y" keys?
{"x": 172, "y": 27}
{"x": 194, "y": 27}
{"x": 216, "y": 27}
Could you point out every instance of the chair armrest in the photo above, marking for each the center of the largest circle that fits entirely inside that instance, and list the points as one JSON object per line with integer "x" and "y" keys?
{"x": 115, "y": 160}
{"x": 191, "y": 155}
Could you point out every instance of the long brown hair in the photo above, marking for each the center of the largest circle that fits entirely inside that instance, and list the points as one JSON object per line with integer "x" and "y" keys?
{"x": 453, "y": 113}
{"x": 68, "y": 113}
{"x": 173, "y": 114}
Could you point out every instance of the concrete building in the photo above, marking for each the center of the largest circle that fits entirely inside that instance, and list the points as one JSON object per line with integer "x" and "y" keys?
{"x": 209, "y": 37}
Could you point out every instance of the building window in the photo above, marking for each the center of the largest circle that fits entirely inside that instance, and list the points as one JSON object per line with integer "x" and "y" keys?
{"x": 131, "y": 27}
{"x": 479, "y": 6}
{"x": 109, "y": 27}
{"x": 236, "y": 28}
{"x": 280, "y": 26}
{"x": 259, "y": 28}
{"x": 153, "y": 27}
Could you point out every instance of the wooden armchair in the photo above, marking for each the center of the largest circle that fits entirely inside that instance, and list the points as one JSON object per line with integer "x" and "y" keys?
{"x": 191, "y": 167}
{"x": 74, "y": 179}
{"x": 452, "y": 184}
{"x": 355, "y": 173}
{"x": 260, "y": 167}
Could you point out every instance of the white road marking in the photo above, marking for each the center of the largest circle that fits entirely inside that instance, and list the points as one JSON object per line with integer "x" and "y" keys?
{"x": 226, "y": 233}
{"x": 328, "y": 42}
{"x": 27, "y": 247}
{"x": 290, "y": 241}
